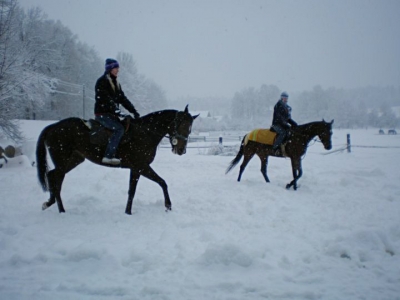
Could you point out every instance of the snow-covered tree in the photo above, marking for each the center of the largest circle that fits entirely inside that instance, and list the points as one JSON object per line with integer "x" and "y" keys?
{"x": 252, "y": 107}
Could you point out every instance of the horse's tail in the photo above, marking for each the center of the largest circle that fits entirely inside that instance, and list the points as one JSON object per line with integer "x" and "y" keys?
{"x": 238, "y": 157}
{"x": 41, "y": 161}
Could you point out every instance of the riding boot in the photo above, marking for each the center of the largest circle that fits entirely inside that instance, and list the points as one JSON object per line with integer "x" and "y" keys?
{"x": 279, "y": 139}
{"x": 278, "y": 142}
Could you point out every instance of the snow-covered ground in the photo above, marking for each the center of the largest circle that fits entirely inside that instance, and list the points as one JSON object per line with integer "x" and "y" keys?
{"x": 337, "y": 237}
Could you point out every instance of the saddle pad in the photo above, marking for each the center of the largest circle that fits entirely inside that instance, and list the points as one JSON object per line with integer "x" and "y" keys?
{"x": 263, "y": 136}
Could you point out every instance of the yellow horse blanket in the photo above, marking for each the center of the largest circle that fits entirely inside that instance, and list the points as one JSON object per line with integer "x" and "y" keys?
{"x": 263, "y": 136}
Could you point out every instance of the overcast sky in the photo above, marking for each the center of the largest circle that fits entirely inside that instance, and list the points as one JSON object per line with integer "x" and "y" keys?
{"x": 218, "y": 47}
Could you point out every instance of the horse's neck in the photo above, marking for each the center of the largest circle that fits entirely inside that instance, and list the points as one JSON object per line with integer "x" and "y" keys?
{"x": 158, "y": 124}
{"x": 308, "y": 132}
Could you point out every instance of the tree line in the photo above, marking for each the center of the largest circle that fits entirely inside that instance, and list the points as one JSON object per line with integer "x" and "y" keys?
{"x": 350, "y": 108}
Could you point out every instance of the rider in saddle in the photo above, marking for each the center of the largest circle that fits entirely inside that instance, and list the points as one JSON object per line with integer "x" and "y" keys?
{"x": 109, "y": 96}
{"x": 282, "y": 120}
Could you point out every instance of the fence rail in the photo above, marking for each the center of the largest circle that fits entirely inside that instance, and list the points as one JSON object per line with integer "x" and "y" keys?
{"x": 212, "y": 142}
{"x": 214, "y": 139}
{"x": 344, "y": 147}
{"x": 348, "y": 147}
{"x": 383, "y": 147}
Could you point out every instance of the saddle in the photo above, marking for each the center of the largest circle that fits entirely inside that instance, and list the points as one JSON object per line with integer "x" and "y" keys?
{"x": 99, "y": 135}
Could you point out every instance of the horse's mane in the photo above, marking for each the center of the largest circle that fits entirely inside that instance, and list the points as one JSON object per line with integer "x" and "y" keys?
{"x": 151, "y": 115}
{"x": 311, "y": 124}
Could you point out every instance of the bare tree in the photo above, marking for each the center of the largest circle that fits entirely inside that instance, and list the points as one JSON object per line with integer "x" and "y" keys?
{"x": 20, "y": 85}
{"x": 145, "y": 94}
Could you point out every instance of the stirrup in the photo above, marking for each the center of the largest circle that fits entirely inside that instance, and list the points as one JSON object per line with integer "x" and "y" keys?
{"x": 111, "y": 161}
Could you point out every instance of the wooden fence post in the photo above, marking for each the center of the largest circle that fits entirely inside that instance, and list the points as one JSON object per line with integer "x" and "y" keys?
{"x": 348, "y": 143}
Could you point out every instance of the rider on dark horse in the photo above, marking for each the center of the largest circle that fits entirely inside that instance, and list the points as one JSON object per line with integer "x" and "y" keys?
{"x": 282, "y": 120}
{"x": 109, "y": 96}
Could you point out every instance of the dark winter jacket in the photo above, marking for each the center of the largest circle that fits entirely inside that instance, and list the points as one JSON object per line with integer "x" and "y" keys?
{"x": 109, "y": 96}
{"x": 282, "y": 115}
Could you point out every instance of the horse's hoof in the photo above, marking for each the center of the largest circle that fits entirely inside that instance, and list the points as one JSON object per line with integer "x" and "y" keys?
{"x": 128, "y": 212}
{"x": 288, "y": 186}
{"x": 167, "y": 208}
{"x": 44, "y": 206}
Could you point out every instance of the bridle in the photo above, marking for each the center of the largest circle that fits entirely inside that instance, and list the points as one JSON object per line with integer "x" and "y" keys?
{"x": 323, "y": 134}
{"x": 175, "y": 135}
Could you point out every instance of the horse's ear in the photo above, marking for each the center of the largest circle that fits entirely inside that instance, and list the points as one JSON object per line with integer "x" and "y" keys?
{"x": 194, "y": 117}
{"x": 332, "y": 121}
{"x": 187, "y": 108}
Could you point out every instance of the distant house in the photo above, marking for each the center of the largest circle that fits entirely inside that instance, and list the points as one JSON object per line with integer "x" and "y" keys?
{"x": 205, "y": 114}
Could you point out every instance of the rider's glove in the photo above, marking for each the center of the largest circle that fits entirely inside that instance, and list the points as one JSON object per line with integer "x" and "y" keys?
{"x": 136, "y": 115}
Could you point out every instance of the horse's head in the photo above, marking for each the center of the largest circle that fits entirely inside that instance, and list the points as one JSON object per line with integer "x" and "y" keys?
{"x": 325, "y": 134}
{"x": 182, "y": 126}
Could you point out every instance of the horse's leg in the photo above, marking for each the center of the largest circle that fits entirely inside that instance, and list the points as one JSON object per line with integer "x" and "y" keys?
{"x": 297, "y": 173}
{"x": 247, "y": 157}
{"x": 294, "y": 173}
{"x": 134, "y": 178}
{"x": 264, "y": 165}
{"x": 52, "y": 200}
{"x": 56, "y": 178}
{"x": 149, "y": 173}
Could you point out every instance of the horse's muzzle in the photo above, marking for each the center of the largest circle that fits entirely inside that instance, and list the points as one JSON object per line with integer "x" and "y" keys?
{"x": 179, "y": 151}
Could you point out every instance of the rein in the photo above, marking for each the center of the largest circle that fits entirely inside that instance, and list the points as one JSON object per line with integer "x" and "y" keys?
{"x": 314, "y": 140}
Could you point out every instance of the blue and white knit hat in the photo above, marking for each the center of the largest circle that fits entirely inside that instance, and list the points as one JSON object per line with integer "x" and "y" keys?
{"x": 111, "y": 64}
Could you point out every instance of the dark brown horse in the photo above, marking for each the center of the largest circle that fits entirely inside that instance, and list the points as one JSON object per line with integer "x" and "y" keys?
{"x": 296, "y": 147}
{"x": 68, "y": 143}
